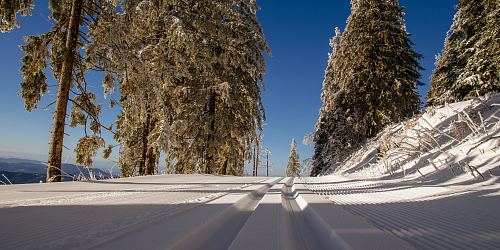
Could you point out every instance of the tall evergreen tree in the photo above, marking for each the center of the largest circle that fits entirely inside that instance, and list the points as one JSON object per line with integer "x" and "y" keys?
{"x": 189, "y": 74}
{"x": 293, "y": 166}
{"x": 380, "y": 67}
{"x": 370, "y": 80}
{"x": 447, "y": 66}
{"x": 333, "y": 136}
{"x": 61, "y": 46}
{"x": 218, "y": 93}
{"x": 469, "y": 64}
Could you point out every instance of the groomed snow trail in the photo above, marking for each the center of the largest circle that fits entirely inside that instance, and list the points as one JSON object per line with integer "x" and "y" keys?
{"x": 182, "y": 212}
{"x": 456, "y": 215}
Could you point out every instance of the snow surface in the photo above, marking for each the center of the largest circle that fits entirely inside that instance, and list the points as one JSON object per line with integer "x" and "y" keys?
{"x": 431, "y": 207}
{"x": 181, "y": 212}
{"x": 378, "y": 199}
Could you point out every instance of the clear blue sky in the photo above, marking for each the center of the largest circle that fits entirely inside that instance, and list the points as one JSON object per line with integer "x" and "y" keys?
{"x": 298, "y": 33}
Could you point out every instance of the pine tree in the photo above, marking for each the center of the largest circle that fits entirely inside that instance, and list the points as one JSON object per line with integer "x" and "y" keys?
{"x": 293, "y": 166}
{"x": 61, "y": 46}
{"x": 380, "y": 67}
{"x": 9, "y": 10}
{"x": 188, "y": 74}
{"x": 134, "y": 45}
{"x": 370, "y": 81}
{"x": 332, "y": 135}
{"x": 469, "y": 64}
{"x": 216, "y": 96}
{"x": 447, "y": 66}
{"x": 481, "y": 72}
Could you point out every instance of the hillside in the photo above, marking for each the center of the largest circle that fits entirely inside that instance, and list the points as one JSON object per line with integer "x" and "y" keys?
{"x": 432, "y": 181}
{"x": 18, "y": 166}
{"x": 20, "y": 178}
{"x": 452, "y": 142}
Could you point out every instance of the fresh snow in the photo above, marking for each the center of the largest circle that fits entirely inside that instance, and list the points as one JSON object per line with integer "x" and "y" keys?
{"x": 181, "y": 212}
{"x": 371, "y": 202}
{"x": 432, "y": 207}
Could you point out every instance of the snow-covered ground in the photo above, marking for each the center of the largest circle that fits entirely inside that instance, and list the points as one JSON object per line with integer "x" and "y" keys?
{"x": 429, "y": 183}
{"x": 432, "y": 181}
{"x": 181, "y": 212}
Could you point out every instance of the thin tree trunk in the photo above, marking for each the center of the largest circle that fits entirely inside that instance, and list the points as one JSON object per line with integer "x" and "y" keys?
{"x": 224, "y": 167}
{"x": 257, "y": 160}
{"x": 144, "y": 153}
{"x": 150, "y": 154}
{"x": 59, "y": 121}
{"x": 254, "y": 162}
{"x": 211, "y": 113}
{"x": 267, "y": 163}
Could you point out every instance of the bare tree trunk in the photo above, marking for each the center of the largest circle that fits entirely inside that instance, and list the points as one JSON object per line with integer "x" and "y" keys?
{"x": 254, "y": 161}
{"x": 267, "y": 163}
{"x": 59, "y": 121}
{"x": 144, "y": 153}
{"x": 150, "y": 154}
{"x": 150, "y": 161}
{"x": 211, "y": 112}
{"x": 224, "y": 167}
{"x": 257, "y": 159}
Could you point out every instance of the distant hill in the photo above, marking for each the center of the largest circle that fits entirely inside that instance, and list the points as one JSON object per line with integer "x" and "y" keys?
{"x": 20, "y": 178}
{"x": 16, "y": 165}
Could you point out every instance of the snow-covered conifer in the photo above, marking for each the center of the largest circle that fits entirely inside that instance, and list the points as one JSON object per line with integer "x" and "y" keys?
{"x": 323, "y": 155}
{"x": 293, "y": 166}
{"x": 9, "y": 10}
{"x": 61, "y": 46}
{"x": 379, "y": 66}
{"x": 189, "y": 75}
{"x": 370, "y": 80}
{"x": 447, "y": 65}
{"x": 216, "y": 87}
{"x": 469, "y": 64}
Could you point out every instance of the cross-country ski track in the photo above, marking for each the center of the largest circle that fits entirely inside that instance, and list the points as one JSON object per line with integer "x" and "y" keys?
{"x": 223, "y": 212}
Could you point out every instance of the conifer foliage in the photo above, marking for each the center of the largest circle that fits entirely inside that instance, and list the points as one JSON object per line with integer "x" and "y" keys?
{"x": 189, "y": 75}
{"x": 62, "y": 48}
{"x": 370, "y": 80}
{"x": 9, "y": 10}
{"x": 293, "y": 166}
{"x": 469, "y": 64}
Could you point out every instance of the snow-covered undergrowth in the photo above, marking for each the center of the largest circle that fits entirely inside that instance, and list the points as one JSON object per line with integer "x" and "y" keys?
{"x": 453, "y": 141}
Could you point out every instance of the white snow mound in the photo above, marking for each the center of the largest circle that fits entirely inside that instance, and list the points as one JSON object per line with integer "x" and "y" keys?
{"x": 449, "y": 143}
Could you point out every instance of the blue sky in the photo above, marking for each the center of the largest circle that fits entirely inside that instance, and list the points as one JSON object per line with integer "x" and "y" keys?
{"x": 298, "y": 33}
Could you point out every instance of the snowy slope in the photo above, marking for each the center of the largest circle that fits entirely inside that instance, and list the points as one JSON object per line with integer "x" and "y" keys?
{"x": 432, "y": 181}
{"x": 462, "y": 135}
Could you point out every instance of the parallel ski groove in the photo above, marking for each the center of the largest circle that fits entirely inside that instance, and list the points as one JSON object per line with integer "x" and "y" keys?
{"x": 427, "y": 222}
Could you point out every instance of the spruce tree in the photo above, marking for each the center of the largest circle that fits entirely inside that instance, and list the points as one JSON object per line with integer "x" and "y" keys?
{"x": 61, "y": 47}
{"x": 380, "y": 67}
{"x": 189, "y": 75}
{"x": 481, "y": 72}
{"x": 332, "y": 136}
{"x": 293, "y": 166}
{"x": 217, "y": 96}
{"x": 447, "y": 66}
{"x": 469, "y": 64}
{"x": 370, "y": 80}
